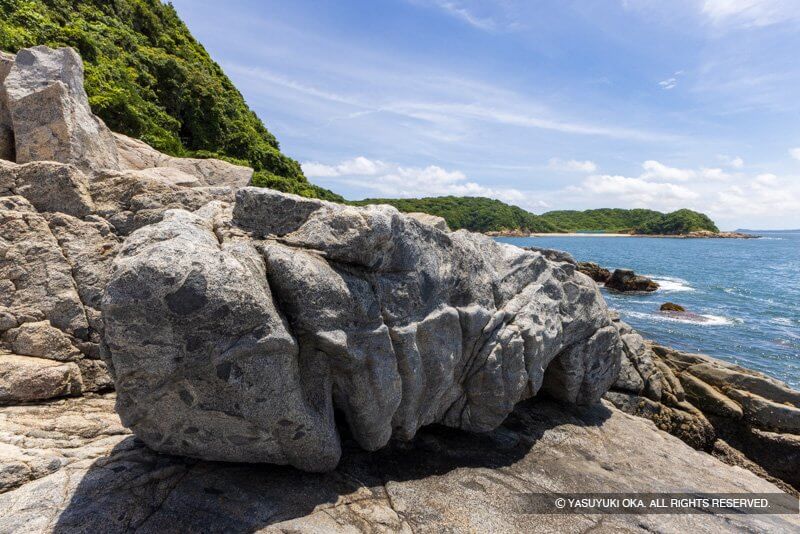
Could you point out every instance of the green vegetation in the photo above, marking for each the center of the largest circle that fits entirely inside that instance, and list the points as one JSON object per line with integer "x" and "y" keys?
{"x": 148, "y": 78}
{"x": 640, "y": 221}
{"x": 605, "y": 220}
{"x": 486, "y": 215}
{"x": 679, "y": 222}
{"x": 471, "y": 213}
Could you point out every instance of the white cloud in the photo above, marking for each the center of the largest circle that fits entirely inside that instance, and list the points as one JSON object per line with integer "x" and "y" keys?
{"x": 359, "y": 166}
{"x": 669, "y": 83}
{"x": 766, "y": 179}
{"x": 750, "y": 13}
{"x": 459, "y": 11}
{"x": 795, "y": 153}
{"x": 734, "y": 162}
{"x": 654, "y": 170}
{"x": 391, "y": 180}
{"x": 635, "y": 191}
{"x": 572, "y": 165}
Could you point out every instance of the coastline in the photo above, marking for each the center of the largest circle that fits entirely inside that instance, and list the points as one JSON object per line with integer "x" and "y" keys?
{"x": 693, "y": 235}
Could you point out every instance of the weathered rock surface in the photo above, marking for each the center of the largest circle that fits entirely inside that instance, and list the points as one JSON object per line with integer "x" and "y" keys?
{"x": 136, "y": 155}
{"x": 250, "y": 344}
{"x": 627, "y": 280}
{"x": 712, "y": 405}
{"x": 433, "y": 220}
{"x": 6, "y": 126}
{"x": 25, "y": 379}
{"x": 671, "y": 307}
{"x": 49, "y": 186}
{"x": 83, "y": 473}
{"x": 50, "y": 111}
{"x": 594, "y": 271}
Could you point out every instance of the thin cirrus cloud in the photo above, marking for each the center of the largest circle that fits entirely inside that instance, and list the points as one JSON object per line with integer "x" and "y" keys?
{"x": 452, "y": 111}
{"x": 750, "y": 13}
{"x": 795, "y": 153}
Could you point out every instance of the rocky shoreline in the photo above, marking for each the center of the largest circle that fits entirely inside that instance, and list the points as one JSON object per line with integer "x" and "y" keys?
{"x": 691, "y": 235}
{"x": 181, "y": 352}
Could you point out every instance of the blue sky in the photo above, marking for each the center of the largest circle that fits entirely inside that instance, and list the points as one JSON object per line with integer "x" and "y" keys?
{"x": 544, "y": 104}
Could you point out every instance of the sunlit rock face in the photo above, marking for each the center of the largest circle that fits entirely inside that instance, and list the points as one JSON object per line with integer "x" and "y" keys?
{"x": 235, "y": 332}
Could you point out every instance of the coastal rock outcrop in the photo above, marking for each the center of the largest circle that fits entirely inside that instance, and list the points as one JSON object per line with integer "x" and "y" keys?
{"x": 257, "y": 322}
{"x": 61, "y": 224}
{"x": 86, "y": 473}
{"x": 626, "y": 280}
{"x": 50, "y": 112}
{"x": 742, "y": 416}
{"x": 594, "y": 271}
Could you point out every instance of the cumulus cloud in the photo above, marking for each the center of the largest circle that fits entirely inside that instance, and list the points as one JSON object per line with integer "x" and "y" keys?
{"x": 795, "y": 153}
{"x": 657, "y": 171}
{"x": 635, "y": 191}
{"x": 380, "y": 178}
{"x": 572, "y": 165}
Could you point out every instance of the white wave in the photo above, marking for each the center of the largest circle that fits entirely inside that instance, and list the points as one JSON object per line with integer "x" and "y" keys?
{"x": 702, "y": 319}
{"x": 670, "y": 284}
{"x": 785, "y": 321}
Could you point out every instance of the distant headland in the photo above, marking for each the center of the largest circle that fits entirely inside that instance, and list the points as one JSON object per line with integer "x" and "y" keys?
{"x": 497, "y": 218}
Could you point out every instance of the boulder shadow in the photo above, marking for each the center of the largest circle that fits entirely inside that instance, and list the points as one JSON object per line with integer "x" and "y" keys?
{"x": 137, "y": 489}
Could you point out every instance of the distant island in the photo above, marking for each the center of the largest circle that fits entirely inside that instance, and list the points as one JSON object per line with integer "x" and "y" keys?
{"x": 486, "y": 215}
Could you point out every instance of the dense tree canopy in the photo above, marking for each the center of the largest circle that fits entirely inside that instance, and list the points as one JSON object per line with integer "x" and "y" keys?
{"x": 640, "y": 221}
{"x": 471, "y": 213}
{"x": 147, "y": 77}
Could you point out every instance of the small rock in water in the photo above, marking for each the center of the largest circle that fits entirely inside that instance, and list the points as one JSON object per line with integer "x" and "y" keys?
{"x": 627, "y": 280}
{"x": 672, "y": 307}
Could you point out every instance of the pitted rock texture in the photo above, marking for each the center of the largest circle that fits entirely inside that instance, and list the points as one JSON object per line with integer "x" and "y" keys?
{"x": 50, "y": 112}
{"x": 238, "y": 346}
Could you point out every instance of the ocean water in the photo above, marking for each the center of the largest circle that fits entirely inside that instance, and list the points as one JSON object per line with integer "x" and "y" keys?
{"x": 747, "y": 290}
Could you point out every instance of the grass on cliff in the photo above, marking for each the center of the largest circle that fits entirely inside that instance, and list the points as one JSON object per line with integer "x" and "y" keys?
{"x": 148, "y": 78}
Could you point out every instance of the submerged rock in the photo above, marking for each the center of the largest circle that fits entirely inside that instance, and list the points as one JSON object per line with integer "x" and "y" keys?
{"x": 238, "y": 346}
{"x": 626, "y": 280}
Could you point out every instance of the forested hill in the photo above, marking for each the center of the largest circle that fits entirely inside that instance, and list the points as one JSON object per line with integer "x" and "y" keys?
{"x": 147, "y": 77}
{"x": 640, "y": 221}
{"x": 471, "y": 213}
{"x": 487, "y": 215}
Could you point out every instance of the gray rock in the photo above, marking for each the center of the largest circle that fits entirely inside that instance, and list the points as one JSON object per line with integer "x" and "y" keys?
{"x": 269, "y": 212}
{"x": 51, "y": 187}
{"x": 35, "y": 278}
{"x": 432, "y": 220}
{"x": 250, "y": 345}
{"x": 25, "y": 379}
{"x": 6, "y": 126}
{"x": 137, "y": 155}
{"x": 50, "y": 111}
{"x": 83, "y": 473}
{"x": 40, "y": 339}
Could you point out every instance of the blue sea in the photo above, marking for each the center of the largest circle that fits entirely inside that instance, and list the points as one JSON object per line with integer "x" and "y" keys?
{"x": 748, "y": 291}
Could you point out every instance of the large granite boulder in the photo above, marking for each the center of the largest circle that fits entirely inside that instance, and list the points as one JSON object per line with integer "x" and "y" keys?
{"x": 237, "y": 334}
{"x": 50, "y": 111}
{"x": 6, "y": 126}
